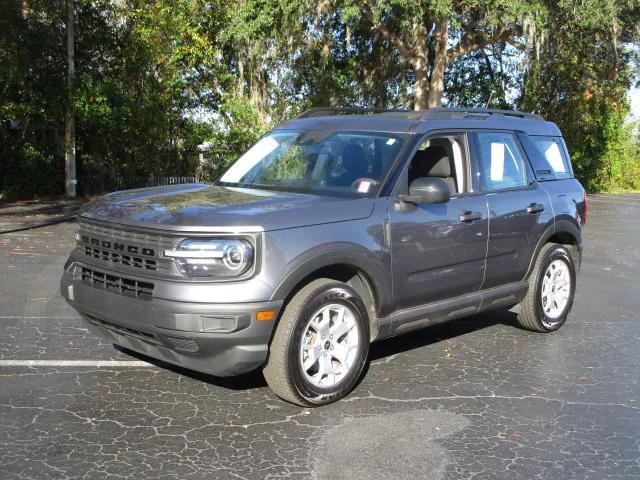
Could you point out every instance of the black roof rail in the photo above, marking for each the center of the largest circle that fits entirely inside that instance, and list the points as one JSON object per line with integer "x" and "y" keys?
{"x": 445, "y": 113}
{"x": 438, "y": 113}
{"x": 324, "y": 111}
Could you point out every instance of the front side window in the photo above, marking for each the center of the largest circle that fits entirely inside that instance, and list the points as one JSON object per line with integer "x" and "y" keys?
{"x": 317, "y": 161}
{"x": 443, "y": 157}
{"x": 500, "y": 163}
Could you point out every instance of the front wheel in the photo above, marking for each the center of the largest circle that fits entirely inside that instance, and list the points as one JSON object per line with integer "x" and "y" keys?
{"x": 320, "y": 345}
{"x": 552, "y": 287}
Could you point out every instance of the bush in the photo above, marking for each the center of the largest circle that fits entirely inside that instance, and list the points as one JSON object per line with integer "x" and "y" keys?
{"x": 620, "y": 169}
{"x": 29, "y": 171}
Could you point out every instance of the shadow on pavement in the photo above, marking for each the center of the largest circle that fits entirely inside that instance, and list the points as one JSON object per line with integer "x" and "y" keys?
{"x": 439, "y": 332}
{"x": 393, "y": 346}
{"x": 247, "y": 381}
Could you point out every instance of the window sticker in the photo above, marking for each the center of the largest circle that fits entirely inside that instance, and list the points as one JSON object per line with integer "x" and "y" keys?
{"x": 457, "y": 161}
{"x": 364, "y": 186}
{"x": 391, "y": 141}
{"x": 497, "y": 162}
{"x": 554, "y": 157}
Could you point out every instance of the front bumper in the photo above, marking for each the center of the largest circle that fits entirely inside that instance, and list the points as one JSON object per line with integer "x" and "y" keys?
{"x": 217, "y": 339}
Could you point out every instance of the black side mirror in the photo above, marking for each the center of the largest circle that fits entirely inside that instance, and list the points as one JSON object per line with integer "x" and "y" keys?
{"x": 428, "y": 190}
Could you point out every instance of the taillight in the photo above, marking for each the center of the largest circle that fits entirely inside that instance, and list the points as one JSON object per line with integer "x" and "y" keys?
{"x": 584, "y": 215}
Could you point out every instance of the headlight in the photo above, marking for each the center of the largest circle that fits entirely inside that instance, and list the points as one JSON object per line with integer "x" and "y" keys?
{"x": 222, "y": 258}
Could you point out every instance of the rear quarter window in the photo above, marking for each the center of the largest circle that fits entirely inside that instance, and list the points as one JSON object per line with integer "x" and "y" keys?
{"x": 548, "y": 156}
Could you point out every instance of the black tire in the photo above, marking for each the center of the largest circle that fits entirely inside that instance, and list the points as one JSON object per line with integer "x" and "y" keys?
{"x": 532, "y": 315}
{"x": 283, "y": 369}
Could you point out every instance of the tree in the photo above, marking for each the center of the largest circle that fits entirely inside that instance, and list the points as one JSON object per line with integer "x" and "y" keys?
{"x": 430, "y": 35}
{"x": 490, "y": 77}
{"x": 155, "y": 78}
{"x": 579, "y": 79}
{"x": 70, "y": 118}
{"x": 32, "y": 98}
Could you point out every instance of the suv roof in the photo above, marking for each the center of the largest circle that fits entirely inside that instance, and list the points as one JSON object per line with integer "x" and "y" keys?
{"x": 405, "y": 121}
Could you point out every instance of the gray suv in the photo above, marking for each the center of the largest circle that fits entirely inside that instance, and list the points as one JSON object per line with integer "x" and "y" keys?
{"x": 336, "y": 229}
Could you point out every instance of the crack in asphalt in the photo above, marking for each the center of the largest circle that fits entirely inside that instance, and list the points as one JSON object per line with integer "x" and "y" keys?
{"x": 486, "y": 397}
{"x": 74, "y": 363}
{"x": 476, "y": 398}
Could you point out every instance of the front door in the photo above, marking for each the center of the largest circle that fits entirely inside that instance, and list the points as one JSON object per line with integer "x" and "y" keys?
{"x": 438, "y": 249}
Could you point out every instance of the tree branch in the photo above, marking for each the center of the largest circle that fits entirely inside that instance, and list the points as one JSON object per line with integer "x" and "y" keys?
{"x": 386, "y": 31}
{"x": 518, "y": 44}
{"x": 479, "y": 41}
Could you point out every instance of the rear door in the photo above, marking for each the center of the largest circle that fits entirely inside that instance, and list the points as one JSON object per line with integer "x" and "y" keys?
{"x": 519, "y": 209}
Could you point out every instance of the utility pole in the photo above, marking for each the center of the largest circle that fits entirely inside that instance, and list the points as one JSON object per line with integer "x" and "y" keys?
{"x": 70, "y": 181}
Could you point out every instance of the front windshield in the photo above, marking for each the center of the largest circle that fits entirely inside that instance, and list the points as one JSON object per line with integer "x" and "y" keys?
{"x": 318, "y": 161}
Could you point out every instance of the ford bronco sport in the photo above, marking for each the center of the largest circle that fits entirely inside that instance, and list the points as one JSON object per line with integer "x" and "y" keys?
{"x": 336, "y": 229}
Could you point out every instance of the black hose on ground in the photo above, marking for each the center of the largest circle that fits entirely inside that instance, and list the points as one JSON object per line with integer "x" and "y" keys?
{"x": 66, "y": 218}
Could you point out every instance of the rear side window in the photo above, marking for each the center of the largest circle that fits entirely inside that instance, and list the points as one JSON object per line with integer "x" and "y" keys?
{"x": 500, "y": 162}
{"x": 549, "y": 160}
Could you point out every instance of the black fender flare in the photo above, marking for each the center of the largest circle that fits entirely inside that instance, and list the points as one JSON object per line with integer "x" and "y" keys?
{"x": 560, "y": 226}
{"x": 376, "y": 271}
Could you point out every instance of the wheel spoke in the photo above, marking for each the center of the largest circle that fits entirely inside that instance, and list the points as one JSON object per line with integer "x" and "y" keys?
{"x": 340, "y": 330}
{"x": 341, "y": 353}
{"x": 325, "y": 367}
{"x": 321, "y": 325}
{"x": 313, "y": 352}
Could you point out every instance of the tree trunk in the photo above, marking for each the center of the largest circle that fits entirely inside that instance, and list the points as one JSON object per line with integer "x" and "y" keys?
{"x": 420, "y": 66}
{"x": 421, "y": 85}
{"x": 440, "y": 63}
{"x": 70, "y": 123}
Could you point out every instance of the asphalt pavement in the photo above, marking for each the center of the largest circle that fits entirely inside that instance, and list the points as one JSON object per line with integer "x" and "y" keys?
{"x": 474, "y": 398}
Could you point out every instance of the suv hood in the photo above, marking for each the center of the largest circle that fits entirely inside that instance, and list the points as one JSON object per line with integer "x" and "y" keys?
{"x": 200, "y": 207}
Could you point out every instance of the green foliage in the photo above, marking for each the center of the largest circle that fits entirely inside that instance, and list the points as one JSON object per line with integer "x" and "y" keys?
{"x": 620, "y": 167}
{"x": 484, "y": 78}
{"x": 143, "y": 71}
{"x": 157, "y": 78}
{"x": 579, "y": 80}
{"x": 237, "y": 128}
{"x": 31, "y": 98}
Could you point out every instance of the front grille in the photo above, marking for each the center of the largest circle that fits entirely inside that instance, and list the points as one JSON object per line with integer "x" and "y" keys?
{"x": 124, "y": 330}
{"x": 120, "y": 258}
{"x": 122, "y": 248}
{"x": 182, "y": 344}
{"x": 117, "y": 284}
{"x": 176, "y": 343}
{"x": 154, "y": 239}
{"x": 129, "y": 332}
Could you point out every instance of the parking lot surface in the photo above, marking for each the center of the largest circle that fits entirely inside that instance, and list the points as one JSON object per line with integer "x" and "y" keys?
{"x": 474, "y": 398}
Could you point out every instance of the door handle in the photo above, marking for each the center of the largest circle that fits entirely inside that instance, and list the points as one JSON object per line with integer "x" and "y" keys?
{"x": 535, "y": 208}
{"x": 470, "y": 216}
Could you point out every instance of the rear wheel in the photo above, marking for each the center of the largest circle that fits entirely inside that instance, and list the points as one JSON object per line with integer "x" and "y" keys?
{"x": 320, "y": 345}
{"x": 552, "y": 286}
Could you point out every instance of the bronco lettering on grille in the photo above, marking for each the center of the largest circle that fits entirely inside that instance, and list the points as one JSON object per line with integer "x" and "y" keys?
{"x": 117, "y": 246}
